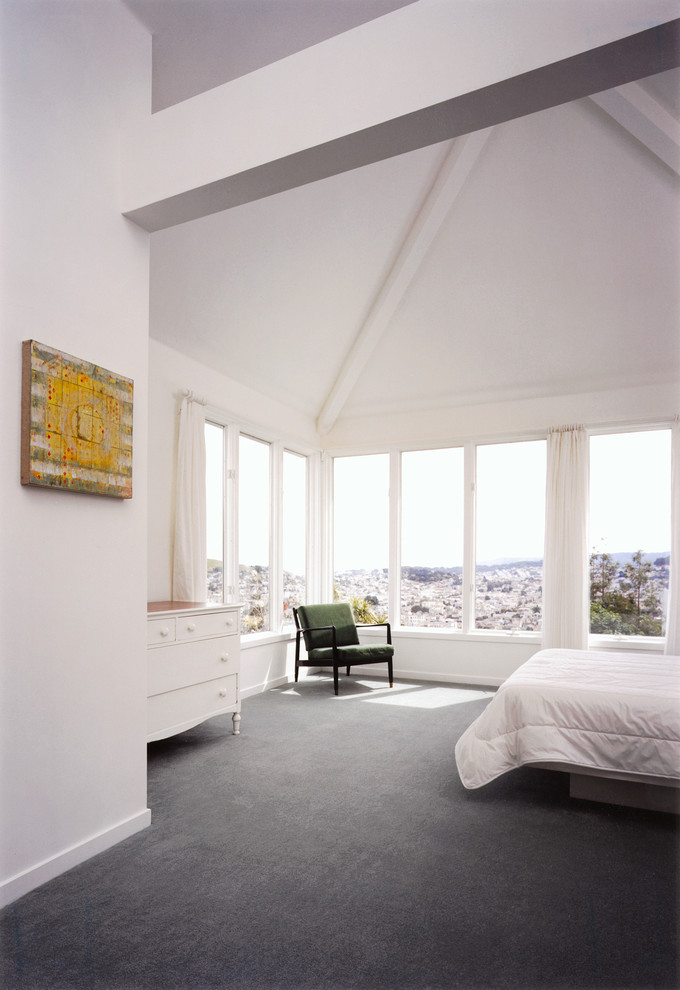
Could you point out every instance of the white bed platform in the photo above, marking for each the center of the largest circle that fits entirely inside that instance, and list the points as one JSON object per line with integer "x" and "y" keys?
{"x": 632, "y": 790}
{"x": 610, "y": 720}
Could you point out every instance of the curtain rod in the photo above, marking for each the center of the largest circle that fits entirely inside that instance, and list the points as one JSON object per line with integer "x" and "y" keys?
{"x": 189, "y": 394}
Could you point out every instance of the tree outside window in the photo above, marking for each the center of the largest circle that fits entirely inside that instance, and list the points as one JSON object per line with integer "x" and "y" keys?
{"x": 629, "y": 509}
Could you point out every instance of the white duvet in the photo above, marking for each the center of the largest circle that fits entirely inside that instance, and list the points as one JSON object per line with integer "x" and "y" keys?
{"x": 605, "y": 711}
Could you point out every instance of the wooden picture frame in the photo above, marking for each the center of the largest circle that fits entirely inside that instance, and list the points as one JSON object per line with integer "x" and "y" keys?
{"x": 76, "y": 424}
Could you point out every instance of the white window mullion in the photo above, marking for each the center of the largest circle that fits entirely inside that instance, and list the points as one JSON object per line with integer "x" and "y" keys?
{"x": 231, "y": 581}
{"x": 314, "y": 514}
{"x": 276, "y": 537}
{"x": 469, "y": 557}
{"x": 326, "y": 511}
{"x": 394, "y": 571}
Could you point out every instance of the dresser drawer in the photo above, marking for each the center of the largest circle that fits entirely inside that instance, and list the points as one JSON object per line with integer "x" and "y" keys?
{"x": 160, "y": 631}
{"x": 191, "y": 627}
{"x": 182, "y": 664}
{"x": 176, "y": 710}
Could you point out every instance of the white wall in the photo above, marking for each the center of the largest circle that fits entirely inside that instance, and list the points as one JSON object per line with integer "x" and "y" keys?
{"x": 433, "y": 656}
{"x": 74, "y": 276}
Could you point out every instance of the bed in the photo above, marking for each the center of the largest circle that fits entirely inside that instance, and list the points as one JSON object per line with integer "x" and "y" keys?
{"x": 612, "y": 720}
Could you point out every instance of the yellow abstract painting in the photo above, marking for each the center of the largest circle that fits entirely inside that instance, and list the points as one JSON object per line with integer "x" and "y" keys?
{"x": 76, "y": 424}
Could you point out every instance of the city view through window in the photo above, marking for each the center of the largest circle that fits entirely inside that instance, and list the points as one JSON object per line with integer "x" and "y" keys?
{"x": 510, "y": 496}
{"x": 254, "y": 523}
{"x": 253, "y": 533}
{"x": 294, "y": 533}
{"x": 214, "y": 514}
{"x": 629, "y": 535}
{"x": 629, "y": 527}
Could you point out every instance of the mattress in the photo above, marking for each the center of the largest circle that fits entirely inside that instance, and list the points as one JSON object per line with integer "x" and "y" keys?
{"x": 604, "y": 711}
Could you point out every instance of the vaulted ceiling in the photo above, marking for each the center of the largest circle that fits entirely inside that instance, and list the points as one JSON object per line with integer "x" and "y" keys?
{"x": 536, "y": 257}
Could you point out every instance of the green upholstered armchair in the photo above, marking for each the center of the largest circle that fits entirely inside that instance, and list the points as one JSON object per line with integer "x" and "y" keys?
{"x": 332, "y": 640}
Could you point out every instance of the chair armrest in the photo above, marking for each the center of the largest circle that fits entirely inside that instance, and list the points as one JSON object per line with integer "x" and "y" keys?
{"x": 370, "y": 625}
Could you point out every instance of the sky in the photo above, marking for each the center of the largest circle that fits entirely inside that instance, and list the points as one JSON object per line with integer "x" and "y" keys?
{"x": 254, "y": 502}
{"x": 629, "y": 504}
{"x": 630, "y": 500}
{"x": 510, "y": 506}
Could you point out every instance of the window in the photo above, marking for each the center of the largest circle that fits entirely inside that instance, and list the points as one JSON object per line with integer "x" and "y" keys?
{"x": 294, "y": 533}
{"x": 214, "y": 470}
{"x": 361, "y": 547}
{"x": 432, "y": 538}
{"x": 510, "y": 521}
{"x": 629, "y": 532}
{"x": 254, "y": 534}
{"x": 256, "y": 500}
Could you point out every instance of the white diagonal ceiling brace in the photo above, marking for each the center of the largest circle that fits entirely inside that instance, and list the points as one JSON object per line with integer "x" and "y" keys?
{"x": 633, "y": 108}
{"x": 445, "y": 190}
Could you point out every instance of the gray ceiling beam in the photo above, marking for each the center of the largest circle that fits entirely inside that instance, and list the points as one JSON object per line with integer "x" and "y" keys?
{"x": 617, "y": 63}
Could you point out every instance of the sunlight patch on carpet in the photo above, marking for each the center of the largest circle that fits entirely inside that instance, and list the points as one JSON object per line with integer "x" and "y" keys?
{"x": 438, "y": 697}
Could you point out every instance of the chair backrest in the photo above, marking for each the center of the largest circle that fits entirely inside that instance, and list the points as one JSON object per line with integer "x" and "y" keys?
{"x": 338, "y": 614}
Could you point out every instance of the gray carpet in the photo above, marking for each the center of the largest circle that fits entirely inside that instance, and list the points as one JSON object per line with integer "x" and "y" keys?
{"x": 332, "y": 846}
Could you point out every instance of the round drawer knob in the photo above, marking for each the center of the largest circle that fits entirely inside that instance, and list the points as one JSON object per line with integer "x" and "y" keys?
{"x": 191, "y": 627}
{"x": 224, "y": 657}
{"x": 229, "y": 622}
{"x": 223, "y": 693}
{"x": 164, "y": 631}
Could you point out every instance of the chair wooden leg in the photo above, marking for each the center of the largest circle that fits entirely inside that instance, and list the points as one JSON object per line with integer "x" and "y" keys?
{"x": 389, "y": 671}
{"x": 348, "y": 671}
{"x": 335, "y": 679}
{"x": 297, "y": 667}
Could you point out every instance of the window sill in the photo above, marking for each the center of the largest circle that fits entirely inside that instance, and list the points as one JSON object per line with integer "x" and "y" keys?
{"x": 636, "y": 644}
{"x": 476, "y": 636}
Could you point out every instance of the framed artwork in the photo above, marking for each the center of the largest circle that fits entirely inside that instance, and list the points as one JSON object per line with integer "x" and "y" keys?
{"x": 76, "y": 424}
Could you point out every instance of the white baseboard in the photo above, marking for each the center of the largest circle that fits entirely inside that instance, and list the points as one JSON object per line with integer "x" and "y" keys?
{"x": 23, "y": 883}
{"x": 265, "y": 686}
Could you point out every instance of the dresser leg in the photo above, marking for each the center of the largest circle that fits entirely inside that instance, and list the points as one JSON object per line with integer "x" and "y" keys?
{"x": 236, "y": 718}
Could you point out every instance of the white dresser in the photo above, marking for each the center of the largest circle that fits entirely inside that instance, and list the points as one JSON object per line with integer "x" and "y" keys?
{"x": 193, "y": 665}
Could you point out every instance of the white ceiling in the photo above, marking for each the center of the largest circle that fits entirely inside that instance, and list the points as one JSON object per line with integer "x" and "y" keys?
{"x": 553, "y": 271}
{"x": 199, "y": 44}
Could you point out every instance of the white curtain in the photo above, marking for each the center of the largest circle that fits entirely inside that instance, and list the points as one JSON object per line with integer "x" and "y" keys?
{"x": 673, "y": 616}
{"x": 189, "y": 572}
{"x": 565, "y": 561}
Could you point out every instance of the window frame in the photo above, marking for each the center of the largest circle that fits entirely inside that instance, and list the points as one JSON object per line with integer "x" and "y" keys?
{"x": 331, "y": 571}
{"x": 320, "y": 529}
{"x": 233, "y": 429}
{"x": 280, "y": 520}
{"x": 465, "y": 596}
{"x": 273, "y": 513}
{"x": 618, "y": 641}
{"x": 468, "y": 633}
{"x": 537, "y": 634}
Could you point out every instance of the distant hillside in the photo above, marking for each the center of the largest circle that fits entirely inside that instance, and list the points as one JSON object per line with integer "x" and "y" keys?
{"x": 421, "y": 573}
{"x": 625, "y": 558}
{"x": 509, "y": 562}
